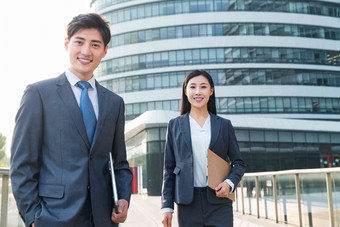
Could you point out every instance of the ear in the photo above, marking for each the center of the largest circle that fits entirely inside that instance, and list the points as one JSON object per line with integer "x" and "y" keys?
{"x": 66, "y": 43}
{"x": 211, "y": 91}
{"x": 105, "y": 50}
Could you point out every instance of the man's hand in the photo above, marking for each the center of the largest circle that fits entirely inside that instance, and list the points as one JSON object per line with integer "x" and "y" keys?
{"x": 123, "y": 206}
{"x": 167, "y": 218}
{"x": 32, "y": 224}
{"x": 222, "y": 190}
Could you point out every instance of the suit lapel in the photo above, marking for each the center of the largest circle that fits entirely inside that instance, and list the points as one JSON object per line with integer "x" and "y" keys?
{"x": 215, "y": 124}
{"x": 185, "y": 129}
{"x": 66, "y": 94}
{"x": 103, "y": 105}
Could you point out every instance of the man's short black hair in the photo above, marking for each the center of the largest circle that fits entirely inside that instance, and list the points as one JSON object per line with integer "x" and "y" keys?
{"x": 90, "y": 20}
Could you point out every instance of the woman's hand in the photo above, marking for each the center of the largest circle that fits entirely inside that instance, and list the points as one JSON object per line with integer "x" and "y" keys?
{"x": 167, "y": 218}
{"x": 222, "y": 190}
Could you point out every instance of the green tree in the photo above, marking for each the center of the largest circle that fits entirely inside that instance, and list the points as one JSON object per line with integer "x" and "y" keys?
{"x": 4, "y": 161}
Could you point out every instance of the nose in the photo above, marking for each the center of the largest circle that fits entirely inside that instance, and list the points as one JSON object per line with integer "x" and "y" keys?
{"x": 86, "y": 49}
{"x": 197, "y": 91}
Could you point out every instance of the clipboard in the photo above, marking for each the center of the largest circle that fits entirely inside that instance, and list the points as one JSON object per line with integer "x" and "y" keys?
{"x": 114, "y": 186}
{"x": 218, "y": 170}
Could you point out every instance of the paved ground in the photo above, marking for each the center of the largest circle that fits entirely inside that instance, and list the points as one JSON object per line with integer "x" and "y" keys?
{"x": 145, "y": 212}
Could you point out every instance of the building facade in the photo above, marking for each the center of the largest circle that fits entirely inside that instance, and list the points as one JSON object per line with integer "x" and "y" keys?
{"x": 278, "y": 59}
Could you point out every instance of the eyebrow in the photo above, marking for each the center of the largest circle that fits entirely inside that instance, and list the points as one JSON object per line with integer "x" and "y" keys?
{"x": 200, "y": 83}
{"x": 94, "y": 40}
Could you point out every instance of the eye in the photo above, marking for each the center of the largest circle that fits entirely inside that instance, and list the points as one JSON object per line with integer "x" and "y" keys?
{"x": 78, "y": 42}
{"x": 95, "y": 45}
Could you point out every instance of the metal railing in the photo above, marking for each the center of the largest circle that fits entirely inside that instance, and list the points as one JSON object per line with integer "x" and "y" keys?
{"x": 9, "y": 213}
{"x": 309, "y": 197}
{"x": 4, "y": 196}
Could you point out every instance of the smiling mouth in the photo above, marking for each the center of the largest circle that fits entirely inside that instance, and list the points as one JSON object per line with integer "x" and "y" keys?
{"x": 198, "y": 99}
{"x": 85, "y": 60}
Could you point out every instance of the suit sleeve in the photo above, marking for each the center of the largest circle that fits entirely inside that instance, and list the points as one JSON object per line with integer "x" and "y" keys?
{"x": 168, "y": 188}
{"x": 25, "y": 152}
{"x": 237, "y": 162}
{"x": 122, "y": 172}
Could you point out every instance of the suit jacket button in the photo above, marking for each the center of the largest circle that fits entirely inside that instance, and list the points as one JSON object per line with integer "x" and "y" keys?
{"x": 90, "y": 157}
{"x": 88, "y": 187}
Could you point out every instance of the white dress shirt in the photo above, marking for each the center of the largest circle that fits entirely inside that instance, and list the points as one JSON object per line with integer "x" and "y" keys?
{"x": 200, "y": 140}
{"x": 92, "y": 90}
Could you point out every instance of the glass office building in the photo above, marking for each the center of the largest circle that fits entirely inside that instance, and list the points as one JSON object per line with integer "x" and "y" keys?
{"x": 271, "y": 60}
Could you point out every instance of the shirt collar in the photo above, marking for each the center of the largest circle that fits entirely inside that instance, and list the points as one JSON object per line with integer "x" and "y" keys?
{"x": 73, "y": 79}
{"x": 206, "y": 125}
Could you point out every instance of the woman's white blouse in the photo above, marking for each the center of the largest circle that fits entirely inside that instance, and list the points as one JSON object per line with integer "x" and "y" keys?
{"x": 200, "y": 140}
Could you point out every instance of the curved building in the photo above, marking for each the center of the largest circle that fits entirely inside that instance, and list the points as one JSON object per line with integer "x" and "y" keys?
{"x": 268, "y": 58}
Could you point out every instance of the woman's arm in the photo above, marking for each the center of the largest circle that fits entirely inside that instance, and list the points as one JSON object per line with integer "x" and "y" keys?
{"x": 168, "y": 175}
{"x": 237, "y": 162}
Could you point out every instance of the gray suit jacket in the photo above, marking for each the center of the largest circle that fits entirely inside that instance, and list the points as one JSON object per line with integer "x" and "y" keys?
{"x": 57, "y": 178}
{"x": 178, "y": 180}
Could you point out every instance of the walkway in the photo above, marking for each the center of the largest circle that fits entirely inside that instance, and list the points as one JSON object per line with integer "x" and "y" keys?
{"x": 145, "y": 212}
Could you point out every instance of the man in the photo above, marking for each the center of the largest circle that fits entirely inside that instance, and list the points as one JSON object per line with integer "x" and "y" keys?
{"x": 65, "y": 129}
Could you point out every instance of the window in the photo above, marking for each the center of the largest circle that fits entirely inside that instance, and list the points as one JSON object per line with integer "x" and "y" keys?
{"x": 188, "y": 57}
{"x": 173, "y": 80}
{"x": 171, "y": 33}
{"x": 256, "y": 104}
{"x": 141, "y": 36}
{"x": 186, "y": 31}
{"x": 242, "y": 135}
{"x": 165, "y": 81}
{"x": 180, "y": 57}
{"x": 155, "y": 34}
{"x": 202, "y": 30}
{"x": 163, "y": 33}
{"x": 285, "y": 136}
{"x": 231, "y": 105}
{"x": 157, "y": 59}
{"x": 164, "y": 59}
{"x": 256, "y": 136}
{"x": 271, "y": 136}
{"x": 158, "y": 81}
{"x": 170, "y": 8}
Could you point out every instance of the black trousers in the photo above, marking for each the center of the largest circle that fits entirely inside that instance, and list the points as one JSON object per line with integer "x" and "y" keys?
{"x": 201, "y": 213}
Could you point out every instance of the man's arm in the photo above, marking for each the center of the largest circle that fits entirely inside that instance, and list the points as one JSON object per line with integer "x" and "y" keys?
{"x": 122, "y": 172}
{"x": 26, "y": 147}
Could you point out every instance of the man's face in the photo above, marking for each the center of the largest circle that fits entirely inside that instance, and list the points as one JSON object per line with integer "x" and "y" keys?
{"x": 86, "y": 49}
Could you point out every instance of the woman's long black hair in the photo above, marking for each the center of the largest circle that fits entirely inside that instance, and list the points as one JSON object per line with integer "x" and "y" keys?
{"x": 185, "y": 104}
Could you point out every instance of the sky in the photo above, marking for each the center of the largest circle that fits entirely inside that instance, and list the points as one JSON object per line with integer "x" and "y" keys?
{"x": 32, "y": 49}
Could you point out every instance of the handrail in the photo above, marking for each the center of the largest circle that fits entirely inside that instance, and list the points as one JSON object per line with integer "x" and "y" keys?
{"x": 4, "y": 171}
{"x": 4, "y": 198}
{"x": 294, "y": 171}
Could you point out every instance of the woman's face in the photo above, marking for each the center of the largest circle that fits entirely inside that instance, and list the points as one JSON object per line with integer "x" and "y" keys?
{"x": 198, "y": 91}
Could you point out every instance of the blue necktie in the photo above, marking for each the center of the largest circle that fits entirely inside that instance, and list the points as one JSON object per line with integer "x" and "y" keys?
{"x": 87, "y": 110}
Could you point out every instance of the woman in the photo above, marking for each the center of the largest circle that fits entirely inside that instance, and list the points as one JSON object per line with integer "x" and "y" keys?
{"x": 185, "y": 159}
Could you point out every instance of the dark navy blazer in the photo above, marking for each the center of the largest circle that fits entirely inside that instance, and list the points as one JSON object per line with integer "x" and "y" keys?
{"x": 178, "y": 179}
{"x": 57, "y": 178}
